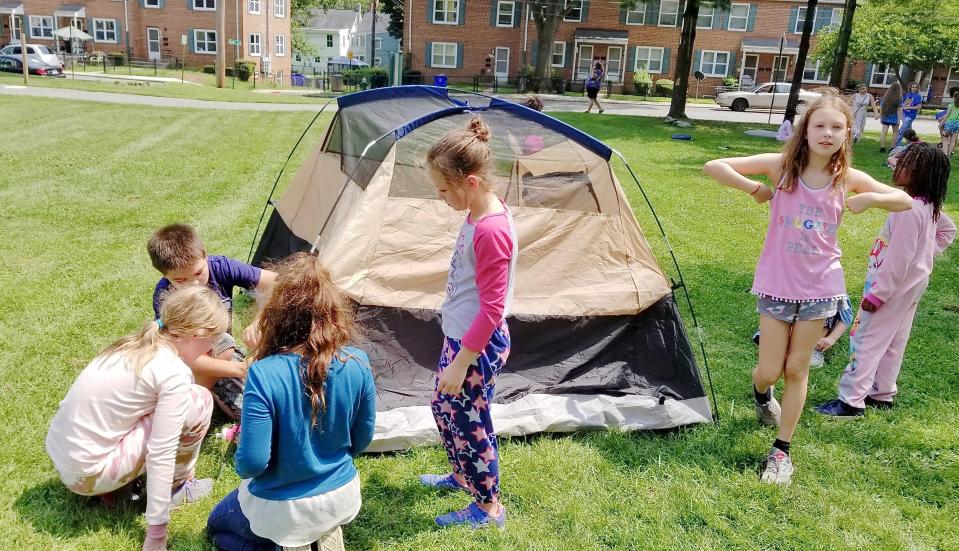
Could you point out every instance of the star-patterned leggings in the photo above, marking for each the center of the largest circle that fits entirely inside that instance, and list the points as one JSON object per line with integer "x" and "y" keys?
{"x": 464, "y": 419}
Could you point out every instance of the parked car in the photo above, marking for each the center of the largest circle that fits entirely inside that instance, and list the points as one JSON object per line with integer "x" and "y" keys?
{"x": 762, "y": 96}
{"x": 38, "y": 52}
{"x": 14, "y": 64}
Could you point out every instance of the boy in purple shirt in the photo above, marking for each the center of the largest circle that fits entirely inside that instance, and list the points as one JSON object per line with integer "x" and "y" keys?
{"x": 177, "y": 252}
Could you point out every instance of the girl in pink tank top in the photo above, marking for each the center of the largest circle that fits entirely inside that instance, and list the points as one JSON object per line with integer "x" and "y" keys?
{"x": 799, "y": 280}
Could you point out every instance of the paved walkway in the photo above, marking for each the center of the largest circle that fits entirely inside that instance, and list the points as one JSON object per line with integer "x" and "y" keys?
{"x": 695, "y": 111}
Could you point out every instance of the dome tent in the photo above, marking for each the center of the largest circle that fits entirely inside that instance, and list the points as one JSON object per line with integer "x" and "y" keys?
{"x": 597, "y": 336}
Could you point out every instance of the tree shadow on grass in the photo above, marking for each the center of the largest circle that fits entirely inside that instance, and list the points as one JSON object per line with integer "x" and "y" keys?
{"x": 52, "y": 509}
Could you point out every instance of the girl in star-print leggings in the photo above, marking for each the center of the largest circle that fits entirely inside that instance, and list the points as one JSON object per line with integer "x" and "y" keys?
{"x": 464, "y": 420}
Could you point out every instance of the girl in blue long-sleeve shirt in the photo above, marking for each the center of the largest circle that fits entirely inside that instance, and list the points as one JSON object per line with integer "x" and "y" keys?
{"x": 309, "y": 407}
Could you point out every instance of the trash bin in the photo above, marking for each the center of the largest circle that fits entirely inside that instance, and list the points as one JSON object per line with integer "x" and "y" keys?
{"x": 439, "y": 80}
{"x": 297, "y": 79}
{"x": 336, "y": 83}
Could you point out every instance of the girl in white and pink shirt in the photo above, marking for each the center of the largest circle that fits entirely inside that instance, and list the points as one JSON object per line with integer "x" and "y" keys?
{"x": 799, "y": 281}
{"x": 899, "y": 267}
{"x": 479, "y": 290}
{"x": 136, "y": 410}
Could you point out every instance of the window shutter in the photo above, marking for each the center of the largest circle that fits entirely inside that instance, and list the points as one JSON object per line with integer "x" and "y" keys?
{"x": 493, "y": 12}
{"x": 534, "y": 53}
{"x": 189, "y": 4}
{"x": 652, "y": 12}
{"x": 119, "y": 28}
{"x": 666, "y": 54}
{"x": 459, "y": 55}
{"x": 793, "y": 16}
{"x": 429, "y": 55}
{"x": 162, "y": 4}
{"x": 461, "y": 20}
{"x": 192, "y": 39}
{"x": 868, "y": 76}
{"x": 568, "y": 57}
{"x": 517, "y": 14}
{"x": 631, "y": 59}
{"x": 430, "y": 4}
{"x": 751, "y": 21}
{"x": 142, "y": 3}
{"x": 679, "y": 14}
{"x": 584, "y": 11}
{"x": 720, "y": 18}
{"x": 90, "y": 29}
{"x": 622, "y": 16}
{"x": 697, "y": 58}
{"x": 731, "y": 68}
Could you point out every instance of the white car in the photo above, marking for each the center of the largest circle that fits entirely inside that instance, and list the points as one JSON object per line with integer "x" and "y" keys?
{"x": 36, "y": 52}
{"x": 762, "y": 96}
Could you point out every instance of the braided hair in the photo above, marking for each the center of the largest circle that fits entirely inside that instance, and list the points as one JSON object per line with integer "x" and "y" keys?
{"x": 923, "y": 172}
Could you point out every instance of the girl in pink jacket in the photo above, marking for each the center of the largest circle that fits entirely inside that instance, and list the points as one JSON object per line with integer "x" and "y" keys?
{"x": 899, "y": 267}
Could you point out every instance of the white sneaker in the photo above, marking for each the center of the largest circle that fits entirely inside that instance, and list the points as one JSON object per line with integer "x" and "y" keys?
{"x": 191, "y": 491}
{"x": 769, "y": 414}
{"x": 817, "y": 360}
{"x": 778, "y": 469}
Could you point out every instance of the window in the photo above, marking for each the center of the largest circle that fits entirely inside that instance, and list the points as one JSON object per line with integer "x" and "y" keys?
{"x": 329, "y": 41}
{"x": 504, "y": 13}
{"x": 104, "y": 30}
{"x": 15, "y": 31}
{"x": 575, "y": 8}
{"x": 444, "y": 55}
{"x": 811, "y": 72}
{"x": 705, "y": 19}
{"x": 801, "y": 20}
{"x": 279, "y": 44}
{"x": 254, "y": 44}
{"x": 559, "y": 54}
{"x": 151, "y": 3}
{"x": 780, "y": 68}
{"x": 204, "y": 4}
{"x": 378, "y": 43}
{"x": 317, "y": 60}
{"x": 638, "y": 15}
{"x": 358, "y": 41}
{"x": 253, "y": 6}
{"x": 377, "y": 62}
{"x": 738, "y": 17}
{"x": 714, "y": 64}
{"x": 668, "y": 13}
{"x": 204, "y": 41}
{"x": 836, "y": 20}
{"x": 41, "y": 27}
{"x": 649, "y": 58}
{"x": 279, "y": 8}
{"x": 883, "y": 75}
{"x": 614, "y": 62}
{"x": 446, "y": 12}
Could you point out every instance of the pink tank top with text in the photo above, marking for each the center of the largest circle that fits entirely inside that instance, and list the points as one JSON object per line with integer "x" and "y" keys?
{"x": 800, "y": 258}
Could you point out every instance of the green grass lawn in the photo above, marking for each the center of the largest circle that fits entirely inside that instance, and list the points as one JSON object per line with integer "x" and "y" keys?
{"x": 84, "y": 185}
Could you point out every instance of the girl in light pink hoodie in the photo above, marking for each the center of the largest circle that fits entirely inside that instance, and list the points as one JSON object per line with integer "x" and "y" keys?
{"x": 899, "y": 267}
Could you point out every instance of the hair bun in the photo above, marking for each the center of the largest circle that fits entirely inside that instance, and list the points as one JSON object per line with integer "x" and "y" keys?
{"x": 479, "y": 129}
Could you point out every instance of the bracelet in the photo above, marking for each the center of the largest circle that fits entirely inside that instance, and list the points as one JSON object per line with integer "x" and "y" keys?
{"x": 755, "y": 191}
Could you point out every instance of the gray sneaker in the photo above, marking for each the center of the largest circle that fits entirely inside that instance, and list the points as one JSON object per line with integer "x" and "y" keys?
{"x": 778, "y": 469}
{"x": 817, "y": 359}
{"x": 191, "y": 491}
{"x": 770, "y": 413}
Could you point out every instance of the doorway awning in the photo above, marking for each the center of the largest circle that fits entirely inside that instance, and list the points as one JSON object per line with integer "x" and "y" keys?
{"x": 70, "y": 10}
{"x": 754, "y": 45}
{"x": 600, "y": 36}
{"x": 11, "y": 7}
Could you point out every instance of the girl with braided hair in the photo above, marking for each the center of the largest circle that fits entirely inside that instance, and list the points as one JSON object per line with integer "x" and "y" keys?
{"x": 899, "y": 267}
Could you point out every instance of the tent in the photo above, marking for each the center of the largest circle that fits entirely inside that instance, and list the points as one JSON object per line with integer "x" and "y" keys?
{"x": 597, "y": 337}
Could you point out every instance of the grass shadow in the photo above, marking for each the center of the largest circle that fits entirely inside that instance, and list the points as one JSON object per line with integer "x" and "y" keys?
{"x": 52, "y": 509}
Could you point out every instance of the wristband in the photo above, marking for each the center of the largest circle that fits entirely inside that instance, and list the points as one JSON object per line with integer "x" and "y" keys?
{"x": 755, "y": 191}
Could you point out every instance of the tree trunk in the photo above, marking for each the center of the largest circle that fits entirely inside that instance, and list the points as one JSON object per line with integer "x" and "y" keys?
{"x": 836, "y": 77}
{"x": 684, "y": 58}
{"x": 546, "y": 15}
{"x": 807, "y": 27}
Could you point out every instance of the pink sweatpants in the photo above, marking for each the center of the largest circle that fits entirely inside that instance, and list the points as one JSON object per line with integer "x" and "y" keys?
{"x": 877, "y": 342}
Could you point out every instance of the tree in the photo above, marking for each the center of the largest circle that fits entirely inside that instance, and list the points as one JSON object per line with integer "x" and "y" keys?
{"x": 793, "y": 103}
{"x": 547, "y": 15}
{"x": 300, "y": 13}
{"x": 917, "y": 36}
{"x": 842, "y": 45}
{"x": 684, "y": 57}
{"x": 395, "y": 9}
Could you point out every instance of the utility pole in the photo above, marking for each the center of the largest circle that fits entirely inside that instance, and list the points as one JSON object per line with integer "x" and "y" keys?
{"x": 373, "y": 33}
{"x": 221, "y": 44}
{"x": 23, "y": 47}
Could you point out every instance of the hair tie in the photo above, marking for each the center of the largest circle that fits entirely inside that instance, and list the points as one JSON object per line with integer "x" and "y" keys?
{"x": 159, "y": 323}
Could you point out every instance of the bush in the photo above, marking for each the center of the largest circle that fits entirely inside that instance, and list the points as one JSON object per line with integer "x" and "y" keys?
{"x": 642, "y": 82}
{"x": 664, "y": 87}
{"x": 376, "y": 77}
{"x": 244, "y": 69}
{"x": 117, "y": 59}
{"x": 209, "y": 69}
{"x": 731, "y": 82}
{"x": 412, "y": 77}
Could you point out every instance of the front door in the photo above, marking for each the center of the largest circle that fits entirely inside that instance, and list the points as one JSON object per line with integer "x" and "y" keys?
{"x": 501, "y": 65}
{"x": 614, "y": 63}
{"x": 780, "y": 68}
{"x": 153, "y": 43}
{"x": 584, "y": 62}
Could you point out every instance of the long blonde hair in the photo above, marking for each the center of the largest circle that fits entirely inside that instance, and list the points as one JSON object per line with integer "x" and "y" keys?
{"x": 185, "y": 312}
{"x": 796, "y": 152}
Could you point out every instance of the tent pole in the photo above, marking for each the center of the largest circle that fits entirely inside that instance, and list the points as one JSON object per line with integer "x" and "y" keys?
{"x": 681, "y": 284}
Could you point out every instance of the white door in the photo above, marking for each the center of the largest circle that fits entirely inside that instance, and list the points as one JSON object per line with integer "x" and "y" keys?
{"x": 585, "y": 61}
{"x": 750, "y": 69}
{"x": 781, "y": 69}
{"x": 501, "y": 65}
{"x": 614, "y": 63}
{"x": 153, "y": 43}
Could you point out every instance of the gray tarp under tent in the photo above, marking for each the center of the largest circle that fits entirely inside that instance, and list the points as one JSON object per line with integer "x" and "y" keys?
{"x": 597, "y": 337}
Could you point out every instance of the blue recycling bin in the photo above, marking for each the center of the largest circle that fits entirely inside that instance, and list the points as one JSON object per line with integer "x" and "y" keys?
{"x": 439, "y": 80}
{"x": 297, "y": 79}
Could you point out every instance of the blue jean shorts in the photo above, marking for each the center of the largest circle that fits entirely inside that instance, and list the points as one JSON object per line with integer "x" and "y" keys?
{"x": 791, "y": 312}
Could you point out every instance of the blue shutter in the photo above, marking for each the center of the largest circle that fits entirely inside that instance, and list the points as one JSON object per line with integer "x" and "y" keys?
{"x": 652, "y": 12}
{"x": 428, "y": 61}
{"x": 793, "y": 16}
{"x": 679, "y": 13}
{"x": 631, "y": 59}
{"x": 162, "y": 4}
{"x": 119, "y": 28}
{"x": 720, "y": 18}
{"x": 517, "y": 14}
{"x": 584, "y": 11}
{"x": 535, "y": 52}
{"x": 189, "y": 4}
{"x": 142, "y": 3}
{"x": 459, "y": 55}
{"x": 667, "y": 52}
{"x": 731, "y": 68}
{"x": 751, "y": 22}
{"x": 90, "y": 29}
{"x": 697, "y": 58}
{"x": 868, "y": 76}
{"x": 494, "y": 8}
{"x": 462, "y": 15}
{"x": 568, "y": 57}
{"x": 430, "y": 4}
{"x": 191, "y": 38}
{"x": 622, "y": 16}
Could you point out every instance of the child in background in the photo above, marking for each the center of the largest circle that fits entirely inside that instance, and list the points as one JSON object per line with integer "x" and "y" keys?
{"x": 799, "y": 281}
{"x": 476, "y": 343}
{"x": 309, "y": 409}
{"x": 899, "y": 267}
{"x": 911, "y": 137}
{"x": 890, "y": 109}
{"x": 134, "y": 410}
{"x": 949, "y": 128}
{"x": 832, "y": 330}
{"x": 911, "y": 105}
{"x": 177, "y": 252}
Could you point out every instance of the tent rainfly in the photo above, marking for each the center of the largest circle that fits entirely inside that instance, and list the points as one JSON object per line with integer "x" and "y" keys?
{"x": 597, "y": 337}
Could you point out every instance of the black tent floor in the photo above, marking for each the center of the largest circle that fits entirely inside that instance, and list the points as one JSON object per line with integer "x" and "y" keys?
{"x": 405, "y": 427}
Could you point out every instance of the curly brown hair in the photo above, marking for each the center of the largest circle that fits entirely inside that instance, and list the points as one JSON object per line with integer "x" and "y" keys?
{"x": 306, "y": 314}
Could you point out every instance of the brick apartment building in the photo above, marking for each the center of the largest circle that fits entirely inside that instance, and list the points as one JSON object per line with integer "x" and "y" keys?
{"x": 152, "y": 29}
{"x": 463, "y": 38}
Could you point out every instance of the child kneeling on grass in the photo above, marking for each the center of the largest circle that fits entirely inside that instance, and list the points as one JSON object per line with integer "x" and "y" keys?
{"x": 899, "y": 267}
{"x": 134, "y": 410}
{"x": 177, "y": 252}
{"x": 309, "y": 407}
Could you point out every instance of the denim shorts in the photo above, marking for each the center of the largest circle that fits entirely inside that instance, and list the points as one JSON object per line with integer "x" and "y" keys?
{"x": 791, "y": 312}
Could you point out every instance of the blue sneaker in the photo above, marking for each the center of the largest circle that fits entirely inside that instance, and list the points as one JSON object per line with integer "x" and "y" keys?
{"x": 837, "y": 409}
{"x": 445, "y": 481}
{"x": 473, "y": 516}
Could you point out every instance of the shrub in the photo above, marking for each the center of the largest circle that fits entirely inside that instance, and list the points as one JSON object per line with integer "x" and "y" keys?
{"x": 642, "y": 82}
{"x": 244, "y": 69}
{"x": 376, "y": 77}
{"x": 664, "y": 87}
{"x": 117, "y": 59}
{"x": 209, "y": 69}
{"x": 731, "y": 82}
